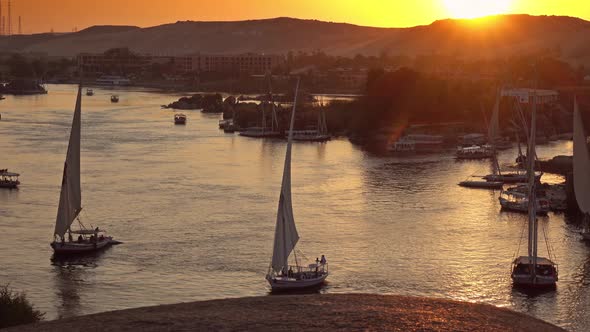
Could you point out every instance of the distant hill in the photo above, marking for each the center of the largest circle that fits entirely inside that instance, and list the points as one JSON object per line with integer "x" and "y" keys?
{"x": 566, "y": 37}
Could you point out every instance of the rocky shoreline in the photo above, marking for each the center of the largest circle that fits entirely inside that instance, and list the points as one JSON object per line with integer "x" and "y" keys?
{"x": 305, "y": 312}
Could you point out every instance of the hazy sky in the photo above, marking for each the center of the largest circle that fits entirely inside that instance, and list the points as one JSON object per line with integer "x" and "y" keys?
{"x": 64, "y": 15}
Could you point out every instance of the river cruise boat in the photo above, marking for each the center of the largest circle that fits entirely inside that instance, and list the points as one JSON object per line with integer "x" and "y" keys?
{"x": 8, "y": 179}
{"x": 179, "y": 119}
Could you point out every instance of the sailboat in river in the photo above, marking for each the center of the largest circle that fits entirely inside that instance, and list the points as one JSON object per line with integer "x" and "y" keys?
{"x": 70, "y": 200}
{"x": 581, "y": 170}
{"x": 282, "y": 276}
{"x": 532, "y": 270}
{"x": 494, "y": 139}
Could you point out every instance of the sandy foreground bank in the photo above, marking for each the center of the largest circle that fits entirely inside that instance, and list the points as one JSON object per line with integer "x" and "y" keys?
{"x": 304, "y": 313}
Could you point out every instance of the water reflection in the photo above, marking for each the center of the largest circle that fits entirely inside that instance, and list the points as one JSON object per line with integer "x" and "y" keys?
{"x": 72, "y": 277}
{"x": 196, "y": 209}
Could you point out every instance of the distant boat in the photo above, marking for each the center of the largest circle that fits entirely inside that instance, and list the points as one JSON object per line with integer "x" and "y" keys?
{"x": 320, "y": 134}
{"x": 264, "y": 131}
{"x": 114, "y": 99}
{"x": 281, "y": 275}
{"x": 581, "y": 170}
{"x": 8, "y": 179}
{"x": 179, "y": 119}
{"x": 112, "y": 80}
{"x": 89, "y": 92}
{"x": 418, "y": 143}
{"x": 533, "y": 271}
{"x": 474, "y": 152}
{"x": 493, "y": 138}
{"x": 515, "y": 200}
{"x": 481, "y": 184}
{"x": 70, "y": 201}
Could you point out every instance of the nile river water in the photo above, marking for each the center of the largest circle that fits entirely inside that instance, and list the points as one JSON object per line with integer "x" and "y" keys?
{"x": 196, "y": 211}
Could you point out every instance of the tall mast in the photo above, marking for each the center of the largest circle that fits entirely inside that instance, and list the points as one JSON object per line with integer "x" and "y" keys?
{"x": 1, "y": 20}
{"x": 532, "y": 249}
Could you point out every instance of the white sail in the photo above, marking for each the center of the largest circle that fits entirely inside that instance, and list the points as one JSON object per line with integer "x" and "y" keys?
{"x": 286, "y": 235}
{"x": 581, "y": 163}
{"x": 70, "y": 199}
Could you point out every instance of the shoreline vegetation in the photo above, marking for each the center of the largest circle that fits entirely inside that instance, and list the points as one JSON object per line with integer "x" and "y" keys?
{"x": 15, "y": 309}
{"x": 305, "y": 312}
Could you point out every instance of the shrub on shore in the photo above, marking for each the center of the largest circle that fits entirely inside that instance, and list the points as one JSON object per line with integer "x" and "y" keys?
{"x": 15, "y": 309}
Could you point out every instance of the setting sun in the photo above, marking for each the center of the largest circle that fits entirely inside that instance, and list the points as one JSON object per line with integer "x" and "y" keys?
{"x": 476, "y": 8}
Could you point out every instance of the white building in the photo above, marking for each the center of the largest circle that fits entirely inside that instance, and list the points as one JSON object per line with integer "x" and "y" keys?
{"x": 525, "y": 95}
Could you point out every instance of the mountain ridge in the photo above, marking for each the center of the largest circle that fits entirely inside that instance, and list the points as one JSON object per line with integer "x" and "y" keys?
{"x": 500, "y": 35}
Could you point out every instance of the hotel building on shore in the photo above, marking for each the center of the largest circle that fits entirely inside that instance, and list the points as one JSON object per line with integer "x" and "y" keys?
{"x": 124, "y": 60}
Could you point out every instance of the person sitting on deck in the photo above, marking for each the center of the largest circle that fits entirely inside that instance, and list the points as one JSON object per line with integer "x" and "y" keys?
{"x": 80, "y": 238}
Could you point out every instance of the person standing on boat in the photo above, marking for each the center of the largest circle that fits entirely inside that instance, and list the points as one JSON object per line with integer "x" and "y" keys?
{"x": 323, "y": 260}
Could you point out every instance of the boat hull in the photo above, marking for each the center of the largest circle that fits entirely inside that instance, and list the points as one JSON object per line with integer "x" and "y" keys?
{"x": 261, "y": 135}
{"x": 538, "y": 283}
{"x": 481, "y": 184}
{"x": 73, "y": 248}
{"x": 9, "y": 185}
{"x": 289, "y": 284}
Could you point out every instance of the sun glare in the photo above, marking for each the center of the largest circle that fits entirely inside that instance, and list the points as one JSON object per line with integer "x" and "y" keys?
{"x": 476, "y": 8}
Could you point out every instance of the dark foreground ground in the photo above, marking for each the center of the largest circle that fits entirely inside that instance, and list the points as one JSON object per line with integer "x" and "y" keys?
{"x": 305, "y": 313}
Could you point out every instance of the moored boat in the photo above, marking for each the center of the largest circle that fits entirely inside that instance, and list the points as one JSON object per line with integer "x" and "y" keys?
{"x": 89, "y": 92}
{"x": 418, "y": 143}
{"x": 481, "y": 184}
{"x": 474, "y": 152}
{"x": 114, "y": 99}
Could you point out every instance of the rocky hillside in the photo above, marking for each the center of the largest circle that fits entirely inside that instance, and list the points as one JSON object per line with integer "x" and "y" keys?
{"x": 566, "y": 37}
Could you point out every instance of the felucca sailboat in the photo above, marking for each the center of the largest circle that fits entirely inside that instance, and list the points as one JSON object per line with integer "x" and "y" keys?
{"x": 281, "y": 275}
{"x": 581, "y": 170}
{"x": 532, "y": 270}
{"x": 70, "y": 200}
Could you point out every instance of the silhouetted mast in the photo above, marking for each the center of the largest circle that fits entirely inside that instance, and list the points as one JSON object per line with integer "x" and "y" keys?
{"x": 9, "y": 30}
{"x": 1, "y": 20}
{"x": 20, "y": 26}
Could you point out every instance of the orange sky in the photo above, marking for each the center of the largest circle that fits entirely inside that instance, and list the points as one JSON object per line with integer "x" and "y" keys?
{"x": 64, "y": 15}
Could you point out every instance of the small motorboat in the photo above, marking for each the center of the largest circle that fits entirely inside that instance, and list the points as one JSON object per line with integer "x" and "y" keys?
{"x": 179, "y": 119}
{"x": 481, "y": 184}
{"x": 114, "y": 99}
{"x": 89, "y": 92}
{"x": 8, "y": 179}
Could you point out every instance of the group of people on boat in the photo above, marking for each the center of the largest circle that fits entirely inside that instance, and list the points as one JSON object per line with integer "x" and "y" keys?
{"x": 314, "y": 271}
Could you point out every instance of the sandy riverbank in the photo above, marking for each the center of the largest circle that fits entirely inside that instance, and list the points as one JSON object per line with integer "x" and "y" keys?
{"x": 302, "y": 313}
